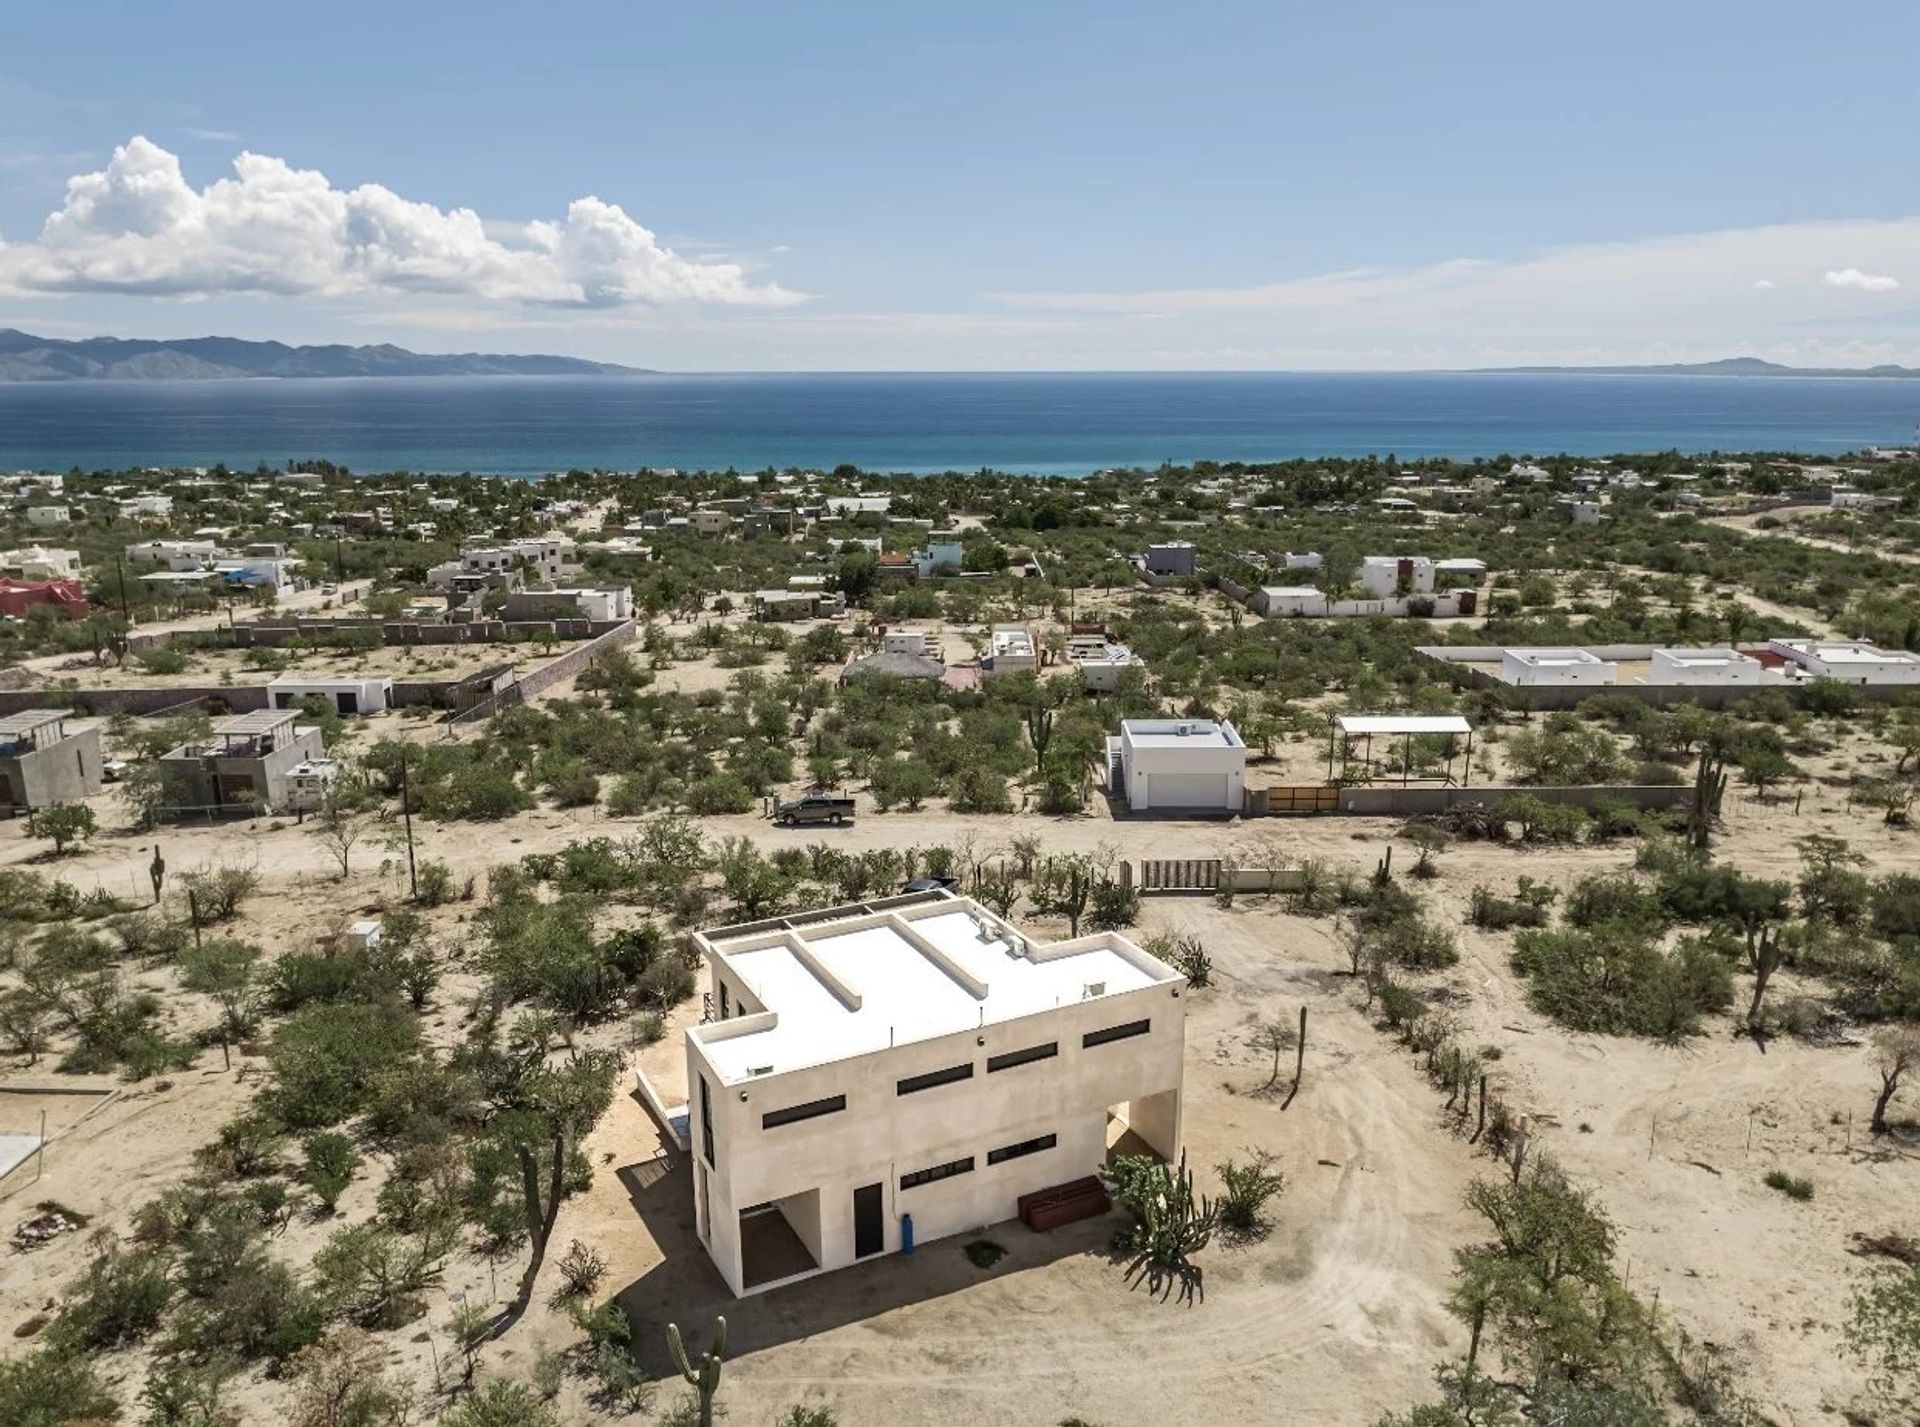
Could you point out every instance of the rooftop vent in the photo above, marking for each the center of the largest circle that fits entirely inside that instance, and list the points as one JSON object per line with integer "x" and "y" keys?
{"x": 1092, "y": 989}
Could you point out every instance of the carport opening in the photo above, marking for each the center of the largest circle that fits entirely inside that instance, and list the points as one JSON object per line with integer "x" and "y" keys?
{"x": 1148, "y": 1125}
{"x": 780, "y": 1238}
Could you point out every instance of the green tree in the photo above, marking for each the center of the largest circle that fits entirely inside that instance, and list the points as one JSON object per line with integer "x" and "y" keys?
{"x": 62, "y": 824}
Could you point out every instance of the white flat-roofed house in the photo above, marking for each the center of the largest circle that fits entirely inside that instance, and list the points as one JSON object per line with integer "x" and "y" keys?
{"x": 1173, "y": 557}
{"x": 911, "y": 640}
{"x": 176, "y": 555}
{"x": 1850, "y": 661}
{"x": 1289, "y": 601}
{"x": 1102, "y": 664}
{"x": 1302, "y": 560}
{"x": 45, "y": 517}
{"x": 1010, "y": 650}
{"x": 38, "y": 562}
{"x": 943, "y": 550}
{"x": 1555, "y": 668}
{"x": 1178, "y": 765}
{"x": 1701, "y": 667}
{"x": 348, "y": 696}
{"x": 1384, "y": 576}
{"x": 892, "y": 1073}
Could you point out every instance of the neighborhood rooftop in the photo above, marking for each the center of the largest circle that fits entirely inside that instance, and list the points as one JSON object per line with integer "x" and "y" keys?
{"x": 880, "y": 977}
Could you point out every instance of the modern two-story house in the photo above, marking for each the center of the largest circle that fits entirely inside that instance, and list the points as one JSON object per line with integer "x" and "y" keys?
{"x": 885, "y": 1073}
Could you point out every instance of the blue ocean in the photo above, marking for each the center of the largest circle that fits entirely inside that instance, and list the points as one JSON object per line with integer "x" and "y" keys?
{"x": 1059, "y": 423}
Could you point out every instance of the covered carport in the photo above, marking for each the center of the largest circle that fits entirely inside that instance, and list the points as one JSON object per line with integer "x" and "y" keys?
{"x": 1364, "y": 728}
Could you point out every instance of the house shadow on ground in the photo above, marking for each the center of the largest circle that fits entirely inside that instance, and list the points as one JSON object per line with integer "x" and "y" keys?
{"x": 686, "y": 1288}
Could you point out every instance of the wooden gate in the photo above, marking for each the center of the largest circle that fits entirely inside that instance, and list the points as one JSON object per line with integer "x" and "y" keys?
{"x": 1293, "y": 801}
{"x": 1197, "y": 874}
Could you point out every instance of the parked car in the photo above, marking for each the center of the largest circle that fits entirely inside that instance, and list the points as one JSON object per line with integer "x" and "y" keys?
{"x": 113, "y": 770}
{"x": 932, "y": 884}
{"x": 814, "y": 808}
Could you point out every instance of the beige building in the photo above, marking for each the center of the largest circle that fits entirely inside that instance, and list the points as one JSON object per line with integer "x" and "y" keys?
{"x": 886, "y": 1073}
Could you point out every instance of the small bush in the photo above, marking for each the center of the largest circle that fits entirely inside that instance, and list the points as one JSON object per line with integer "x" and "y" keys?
{"x": 1790, "y": 1185}
{"x": 983, "y": 1253}
{"x": 331, "y": 1159}
{"x": 1249, "y": 1187}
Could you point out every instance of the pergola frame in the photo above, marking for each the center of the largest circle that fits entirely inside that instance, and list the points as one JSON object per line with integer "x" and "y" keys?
{"x": 1347, "y": 727}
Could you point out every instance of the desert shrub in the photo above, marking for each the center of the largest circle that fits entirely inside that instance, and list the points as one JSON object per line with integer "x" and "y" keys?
{"x": 1540, "y": 820}
{"x": 978, "y": 789}
{"x": 1416, "y": 944}
{"x": 1248, "y": 1186}
{"x": 1185, "y": 953}
{"x": 719, "y": 793}
{"x": 1597, "y": 900}
{"x": 342, "y": 1383}
{"x": 216, "y": 893}
{"x": 331, "y": 1159}
{"x": 501, "y": 1404}
{"x": 259, "y": 1309}
{"x": 982, "y": 1253}
{"x": 119, "y": 1299}
{"x": 1400, "y": 1004}
{"x": 1530, "y": 906}
{"x": 147, "y": 936}
{"x": 581, "y": 1270}
{"x": 53, "y": 1389}
{"x": 436, "y": 884}
{"x": 245, "y": 1146}
{"x": 1614, "y": 980}
{"x": 1113, "y": 905}
{"x": 1790, "y": 1185}
{"x": 666, "y": 983}
{"x": 327, "y": 1058}
{"x": 375, "y": 1275}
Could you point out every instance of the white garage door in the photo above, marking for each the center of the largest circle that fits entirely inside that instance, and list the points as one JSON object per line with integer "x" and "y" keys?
{"x": 1186, "y": 790}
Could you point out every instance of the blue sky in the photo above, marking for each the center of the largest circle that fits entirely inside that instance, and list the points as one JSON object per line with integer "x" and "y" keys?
{"x": 998, "y": 186}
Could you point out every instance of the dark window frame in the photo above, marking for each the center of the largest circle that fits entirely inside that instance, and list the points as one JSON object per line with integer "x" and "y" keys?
{"x": 1039, "y": 1144}
{"x": 933, "y": 1174}
{"x": 706, "y": 1122}
{"x": 1127, "y": 1030}
{"x": 927, "y": 1080}
{"x": 1008, "y": 1060}
{"x": 810, "y": 1110}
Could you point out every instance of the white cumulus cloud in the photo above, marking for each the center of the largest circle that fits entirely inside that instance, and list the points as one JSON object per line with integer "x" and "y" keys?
{"x": 1864, "y": 282}
{"x": 138, "y": 226}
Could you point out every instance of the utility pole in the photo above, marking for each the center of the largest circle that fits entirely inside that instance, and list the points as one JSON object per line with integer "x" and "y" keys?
{"x": 406, "y": 816}
{"x": 120, "y": 564}
{"x": 339, "y": 563}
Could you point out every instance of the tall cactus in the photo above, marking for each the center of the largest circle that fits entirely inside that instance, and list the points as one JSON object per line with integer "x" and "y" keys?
{"x": 157, "y": 873}
{"x": 1709, "y": 787}
{"x": 705, "y": 1378}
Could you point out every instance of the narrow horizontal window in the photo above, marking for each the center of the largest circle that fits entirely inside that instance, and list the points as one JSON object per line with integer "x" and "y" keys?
{"x": 1025, "y": 1147}
{"x": 1022, "y": 1057}
{"x": 803, "y": 1112}
{"x": 1115, "y": 1033}
{"x": 939, "y": 1171}
{"x": 935, "y": 1077}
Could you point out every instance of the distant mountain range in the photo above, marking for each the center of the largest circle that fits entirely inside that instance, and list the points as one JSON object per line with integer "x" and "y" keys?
{"x": 1726, "y": 367}
{"x": 27, "y": 358}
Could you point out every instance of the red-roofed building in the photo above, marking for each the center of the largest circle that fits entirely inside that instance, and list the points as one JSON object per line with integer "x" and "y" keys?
{"x": 19, "y": 596}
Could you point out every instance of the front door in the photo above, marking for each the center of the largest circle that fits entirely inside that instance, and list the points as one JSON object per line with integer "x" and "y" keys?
{"x": 869, "y": 1231}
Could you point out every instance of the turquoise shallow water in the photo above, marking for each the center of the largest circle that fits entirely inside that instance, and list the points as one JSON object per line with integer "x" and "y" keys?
{"x": 1069, "y": 424}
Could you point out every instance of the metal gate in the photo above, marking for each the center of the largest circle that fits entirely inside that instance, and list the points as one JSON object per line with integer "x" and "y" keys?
{"x": 1180, "y": 875}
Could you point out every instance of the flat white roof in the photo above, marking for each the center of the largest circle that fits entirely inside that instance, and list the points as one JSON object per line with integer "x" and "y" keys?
{"x": 1548, "y": 657}
{"x": 843, "y": 987}
{"x": 1289, "y": 591}
{"x": 1850, "y": 653}
{"x": 1403, "y": 723}
{"x": 1705, "y": 657}
{"x": 1179, "y": 733}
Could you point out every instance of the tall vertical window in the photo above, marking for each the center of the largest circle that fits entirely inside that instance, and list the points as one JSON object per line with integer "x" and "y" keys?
{"x": 706, "y": 1119}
